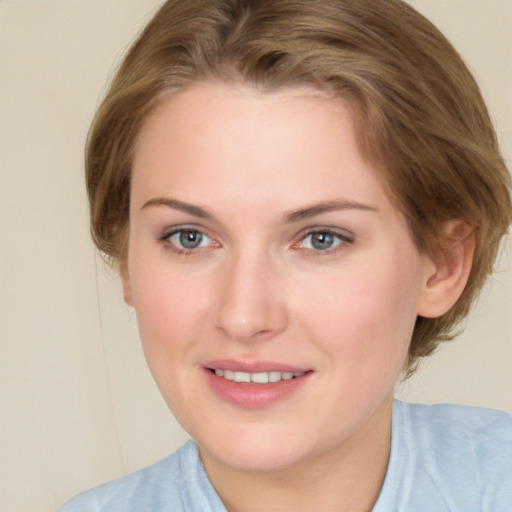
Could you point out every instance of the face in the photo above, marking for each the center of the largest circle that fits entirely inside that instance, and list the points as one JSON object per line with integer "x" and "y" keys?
{"x": 276, "y": 286}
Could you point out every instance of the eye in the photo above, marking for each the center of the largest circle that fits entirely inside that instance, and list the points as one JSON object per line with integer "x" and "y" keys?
{"x": 186, "y": 240}
{"x": 323, "y": 240}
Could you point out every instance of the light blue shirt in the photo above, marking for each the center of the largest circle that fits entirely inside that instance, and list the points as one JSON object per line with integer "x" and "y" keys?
{"x": 444, "y": 458}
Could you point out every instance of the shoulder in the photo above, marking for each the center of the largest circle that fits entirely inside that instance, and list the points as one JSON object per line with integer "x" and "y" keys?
{"x": 129, "y": 492}
{"x": 175, "y": 483}
{"x": 461, "y": 454}
{"x": 456, "y": 425}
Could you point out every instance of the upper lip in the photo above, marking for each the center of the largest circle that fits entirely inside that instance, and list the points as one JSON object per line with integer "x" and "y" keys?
{"x": 252, "y": 366}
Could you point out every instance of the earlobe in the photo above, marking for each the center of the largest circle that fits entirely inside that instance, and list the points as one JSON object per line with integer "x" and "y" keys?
{"x": 447, "y": 273}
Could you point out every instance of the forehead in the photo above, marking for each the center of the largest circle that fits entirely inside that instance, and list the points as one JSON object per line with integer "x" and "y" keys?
{"x": 195, "y": 108}
{"x": 240, "y": 141}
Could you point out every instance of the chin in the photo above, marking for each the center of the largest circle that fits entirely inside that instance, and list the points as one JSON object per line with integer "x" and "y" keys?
{"x": 265, "y": 460}
{"x": 256, "y": 450}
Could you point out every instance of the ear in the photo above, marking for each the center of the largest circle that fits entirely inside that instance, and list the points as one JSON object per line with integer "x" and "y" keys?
{"x": 447, "y": 273}
{"x": 125, "y": 280}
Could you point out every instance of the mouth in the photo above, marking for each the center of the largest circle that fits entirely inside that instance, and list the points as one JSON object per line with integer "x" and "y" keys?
{"x": 254, "y": 384}
{"x": 257, "y": 377}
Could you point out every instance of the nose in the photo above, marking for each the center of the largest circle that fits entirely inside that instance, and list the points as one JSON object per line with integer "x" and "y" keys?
{"x": 252, "y": 303}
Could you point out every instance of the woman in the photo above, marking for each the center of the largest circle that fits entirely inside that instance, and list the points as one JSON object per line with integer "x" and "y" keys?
{"x": 303, "y": 199}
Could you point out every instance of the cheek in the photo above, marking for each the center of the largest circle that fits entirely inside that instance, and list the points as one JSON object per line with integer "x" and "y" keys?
{"x": 365, "y": 315}
{"x": 171, "y": 317}
{"x": 169, "y": 308}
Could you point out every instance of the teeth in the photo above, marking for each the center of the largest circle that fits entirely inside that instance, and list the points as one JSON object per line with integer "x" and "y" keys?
{"x": 257, "y": 378}
{"x": 260, "y": 378}
{"x": 242, "y": 377}
{"x": 275, "y": 376}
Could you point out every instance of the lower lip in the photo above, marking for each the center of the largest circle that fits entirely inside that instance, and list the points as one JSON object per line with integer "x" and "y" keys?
{"x": 254, "y": 396}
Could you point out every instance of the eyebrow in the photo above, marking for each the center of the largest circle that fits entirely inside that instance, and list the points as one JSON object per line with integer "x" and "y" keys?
{"x": 289, "y": 217}
{"x": 181, "y": 206}
{"x": 326, "y": 207}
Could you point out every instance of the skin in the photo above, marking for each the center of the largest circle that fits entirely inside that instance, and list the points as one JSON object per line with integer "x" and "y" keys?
{"x": 258, "y": 289}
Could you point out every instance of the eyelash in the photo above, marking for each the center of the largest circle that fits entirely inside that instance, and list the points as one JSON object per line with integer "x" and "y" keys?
{"x": 342, "y": 240}
{"x": 165, "y": 240}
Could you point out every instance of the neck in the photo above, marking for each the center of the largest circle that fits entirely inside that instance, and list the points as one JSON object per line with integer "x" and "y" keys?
{"x": 346, "y": 478}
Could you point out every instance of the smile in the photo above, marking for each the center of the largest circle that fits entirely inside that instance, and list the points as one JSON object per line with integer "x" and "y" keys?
{"x": 256, "y": 378}
{"x": 254, "y": 384}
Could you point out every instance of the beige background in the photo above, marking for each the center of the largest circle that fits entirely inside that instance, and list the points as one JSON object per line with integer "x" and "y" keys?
{"x": 77, "y": 403}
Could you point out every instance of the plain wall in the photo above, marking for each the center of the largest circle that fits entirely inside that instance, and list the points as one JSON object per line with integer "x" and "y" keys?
{"x": 78, "y": 405}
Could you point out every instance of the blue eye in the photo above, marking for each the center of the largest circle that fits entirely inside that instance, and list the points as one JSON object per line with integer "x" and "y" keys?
{"x": 188, "y": 239}
{"x": 323, "y": 240}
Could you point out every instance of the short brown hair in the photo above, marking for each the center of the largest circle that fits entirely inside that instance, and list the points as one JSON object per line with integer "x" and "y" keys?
{"x": 420, "y": 112}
